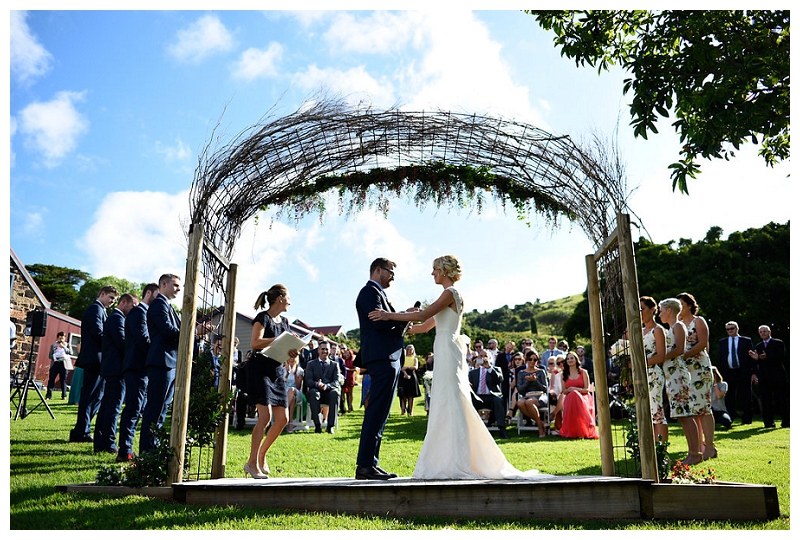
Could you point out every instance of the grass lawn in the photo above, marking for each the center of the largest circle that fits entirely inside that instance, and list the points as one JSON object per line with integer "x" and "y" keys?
{"x": 41, "y": 458}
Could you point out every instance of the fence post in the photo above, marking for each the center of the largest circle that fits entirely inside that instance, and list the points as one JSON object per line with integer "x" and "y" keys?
{"x": 183, "y": 369}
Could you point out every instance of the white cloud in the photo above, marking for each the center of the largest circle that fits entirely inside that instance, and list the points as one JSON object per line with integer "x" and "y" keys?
{"x": 256, "y": 63}
{"x": 32, "y": 224}
{"x": 179, "y": 152}
{"x": 355, "y": 84}
{"x": 200, "y": 39}
{"x": 378, "y": 33}
{"x": 53, "y": 127}
{"x": 29, "y": 59}
{"x": 137, "y": 236}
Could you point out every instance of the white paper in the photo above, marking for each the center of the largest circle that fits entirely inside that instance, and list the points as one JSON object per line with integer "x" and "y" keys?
{"x": 280, "y": 347}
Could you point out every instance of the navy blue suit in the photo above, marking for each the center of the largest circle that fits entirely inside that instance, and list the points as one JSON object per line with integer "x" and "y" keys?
{"x": 105, "y": 427}
{"x": 738, "y": 378}
{"x": 381, "y": 351}
{"x": 134, "y": 374}
{"x": 164, "y": 326}
{"x": 89, "y": 360}
{"x": 773, "y": 382}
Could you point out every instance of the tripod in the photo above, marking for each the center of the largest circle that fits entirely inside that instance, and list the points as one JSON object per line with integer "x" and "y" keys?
{"x": 21, "y": 389}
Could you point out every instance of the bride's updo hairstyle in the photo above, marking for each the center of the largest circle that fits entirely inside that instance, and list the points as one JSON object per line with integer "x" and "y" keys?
{"x": 449, "y": 265}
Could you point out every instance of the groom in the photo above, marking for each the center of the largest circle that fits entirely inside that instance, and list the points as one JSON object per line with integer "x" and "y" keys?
{"x": 381, "y": 351}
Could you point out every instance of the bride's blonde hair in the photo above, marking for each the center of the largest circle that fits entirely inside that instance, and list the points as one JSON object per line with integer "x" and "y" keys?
{"x": 449, "y": 265}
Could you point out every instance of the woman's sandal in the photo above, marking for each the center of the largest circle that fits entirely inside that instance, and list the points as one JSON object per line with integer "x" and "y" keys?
{"x": 693, "y": 458}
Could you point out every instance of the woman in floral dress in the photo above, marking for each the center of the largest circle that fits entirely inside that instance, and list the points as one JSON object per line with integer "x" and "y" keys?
{"x": 677, "y": 378}
{"x": 655, "y": 350}
{"x": 699, "y": 364}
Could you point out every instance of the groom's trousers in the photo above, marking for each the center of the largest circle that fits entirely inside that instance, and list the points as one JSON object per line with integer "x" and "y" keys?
{"x": 382, "y": 388}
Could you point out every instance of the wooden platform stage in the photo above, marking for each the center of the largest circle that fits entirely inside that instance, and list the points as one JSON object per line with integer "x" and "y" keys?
{"x": 556, "y": 497}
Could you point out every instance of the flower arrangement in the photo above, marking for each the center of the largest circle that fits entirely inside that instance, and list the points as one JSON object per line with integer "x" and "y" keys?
{"x": 682, "y": 474}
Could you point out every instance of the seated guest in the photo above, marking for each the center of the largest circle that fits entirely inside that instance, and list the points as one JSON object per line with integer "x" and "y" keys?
{"x": 532, "y": 389}
{"x": 486, "y": 382}
{"x": 718, "y": 392}
{"x": 322, "y": 387}
{"x": 554, "y": 388}
{"x": 294, "y": 382}
{"x": 517, "y": 364}
{"x": 578, "y": 420}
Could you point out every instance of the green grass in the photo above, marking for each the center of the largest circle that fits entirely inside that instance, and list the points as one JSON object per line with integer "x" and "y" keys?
{"x": 41, "y": 458}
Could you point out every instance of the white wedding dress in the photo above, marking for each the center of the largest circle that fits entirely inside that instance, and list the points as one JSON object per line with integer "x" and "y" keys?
{"x": 457, "y": 444}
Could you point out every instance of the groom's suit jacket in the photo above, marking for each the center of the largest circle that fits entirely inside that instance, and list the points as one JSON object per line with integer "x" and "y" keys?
{"x": 379, "y": 339}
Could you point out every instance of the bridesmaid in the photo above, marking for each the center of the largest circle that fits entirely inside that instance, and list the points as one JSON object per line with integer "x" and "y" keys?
{"x": 655, "y": 349}
{"x": 678, "y": 379}
{"x": 699, "y": 364}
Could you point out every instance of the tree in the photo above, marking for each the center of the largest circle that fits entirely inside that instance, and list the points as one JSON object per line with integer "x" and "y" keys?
{"x": 90, "y": 290}
{"x": 725, "y": 74}
{"x": 59, "y": 284}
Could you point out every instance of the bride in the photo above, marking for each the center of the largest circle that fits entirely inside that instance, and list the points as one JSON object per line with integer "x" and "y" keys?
{"x": 457, "y": 444}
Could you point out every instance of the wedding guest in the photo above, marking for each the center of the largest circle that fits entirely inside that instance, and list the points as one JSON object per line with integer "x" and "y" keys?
{"x": 503, "y": 361}
{"x": 294, "y": 385}
{"x": 655, "y": 350}
{"x": 349, "y": 378}
{"x": 677, "y": 378}
{"x": 322, "y": 388}
{"x": 773, "y": 377}
{"x": 484, "y": 380}
{"x": 532, "y": 389}
{"x": 578, "y": 406}
{"x": 586, "y": 362}
{"x": 408, "y": 384}
{"x": 517, "y": 364}
{"x": 555, "y": 390}
{"x": 699, "y": 364}
{"x": 739, "y": 370}
{"x": 721, "y": 415}
{"x": 266, "y": 378}
{"x": 491, "y": 349}
{"x": 58, "y": 356}
{"x": 551, "y": 350}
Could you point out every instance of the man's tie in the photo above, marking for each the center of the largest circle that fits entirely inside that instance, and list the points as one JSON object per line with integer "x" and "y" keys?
{"x": 482, "y": 384}
{"x": 732, "y": 349}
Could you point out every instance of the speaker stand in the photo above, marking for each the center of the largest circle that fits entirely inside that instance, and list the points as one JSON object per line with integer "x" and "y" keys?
{"x": 21, "y": 389}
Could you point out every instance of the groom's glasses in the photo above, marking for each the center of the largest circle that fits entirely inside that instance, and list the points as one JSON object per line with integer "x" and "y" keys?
{"x": 391, "y": 272}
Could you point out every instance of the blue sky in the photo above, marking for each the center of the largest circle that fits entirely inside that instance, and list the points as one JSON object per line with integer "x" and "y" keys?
{"x": 109, "y": 110}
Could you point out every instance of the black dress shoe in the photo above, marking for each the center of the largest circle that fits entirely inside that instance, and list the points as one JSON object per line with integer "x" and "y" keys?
{"x": 317, "y": 429}
{"x": 329, "y": 430}
{"x": 503, "y": 434}
{"x": 80, "y": 438}
{"x": 371, "y": 473}
{"x": 391, "y": 474}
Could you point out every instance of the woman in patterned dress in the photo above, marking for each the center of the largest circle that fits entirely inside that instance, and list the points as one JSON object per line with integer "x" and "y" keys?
{"x": 655, "y": 350}
{"x": 677, "y": 378}
{"x": 699, "y": 364}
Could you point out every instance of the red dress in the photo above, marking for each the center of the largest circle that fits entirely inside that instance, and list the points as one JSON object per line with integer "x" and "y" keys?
{"x": 578, "y": 422}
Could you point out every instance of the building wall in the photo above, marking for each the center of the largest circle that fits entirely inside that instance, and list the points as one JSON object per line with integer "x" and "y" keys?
{"x": 23, "y": 300}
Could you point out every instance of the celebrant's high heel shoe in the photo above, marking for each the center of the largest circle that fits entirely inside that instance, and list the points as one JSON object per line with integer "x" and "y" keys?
{"x": 254, "y": 474}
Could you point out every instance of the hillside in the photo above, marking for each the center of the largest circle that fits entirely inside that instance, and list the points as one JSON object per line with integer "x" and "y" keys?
{"x": 537, "y": 318}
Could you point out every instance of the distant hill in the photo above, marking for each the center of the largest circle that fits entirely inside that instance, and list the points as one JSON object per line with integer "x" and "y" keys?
{"x": 537, "y": 318}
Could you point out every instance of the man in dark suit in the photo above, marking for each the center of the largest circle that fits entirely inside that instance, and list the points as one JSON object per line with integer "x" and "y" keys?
{"x": 89, "y": 359}
{"x": 381, "y": 353}
{"x": 322, "y": 386}
{"x": 738, "y": 370}
{"x": 105, "y": 427}
{"x": 486, "y": 383}
{"x": 164, "y": 327}
{"x": 773, "y": 381}
{"x": 134, "y": 373}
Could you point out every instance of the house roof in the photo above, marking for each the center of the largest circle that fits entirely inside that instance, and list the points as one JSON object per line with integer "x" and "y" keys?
{"x": 24, "y": 271}
{"x": 334, "y": 330}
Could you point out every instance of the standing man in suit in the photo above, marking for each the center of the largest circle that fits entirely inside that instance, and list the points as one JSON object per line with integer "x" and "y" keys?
{"x": 89, "y": 359}
{"x": 504, "y": 360}
{"x": 164, "y": 327}
{"x": 773, "y": 380}
{"x": 381, "y": 353}
{"x": 105, "y": 428}
{"x": 134, "y": 373}
{"x": 322, "y": 386}
{"x": 738, "y": 370}
{"x": 485, "y": 381}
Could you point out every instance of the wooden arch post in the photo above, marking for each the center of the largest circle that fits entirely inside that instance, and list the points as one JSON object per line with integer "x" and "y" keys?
{"x": 225, "y": 374}
{"x": 183, "y": 369}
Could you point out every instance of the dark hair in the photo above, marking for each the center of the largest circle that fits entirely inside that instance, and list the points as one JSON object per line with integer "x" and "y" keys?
{"x": 690, "y": 301}
{"x": 109, "y": 289}
{"x": 532, "y": 352}
{"x": 166, "y": 277}
{"x": 152, "y": 287}
{"x": 649, "y": 302}
{"x": 127, "y": 297}
{"x": 269, "y": 297}
{"x": 61, "y": 334}
{"x": 380, "y": 262}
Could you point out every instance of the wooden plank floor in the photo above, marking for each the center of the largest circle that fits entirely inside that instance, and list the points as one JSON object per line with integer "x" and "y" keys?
{"x": 557, "y": 497}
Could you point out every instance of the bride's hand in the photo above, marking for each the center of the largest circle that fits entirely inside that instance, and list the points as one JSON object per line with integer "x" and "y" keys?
{"x": 378, "y": 315}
